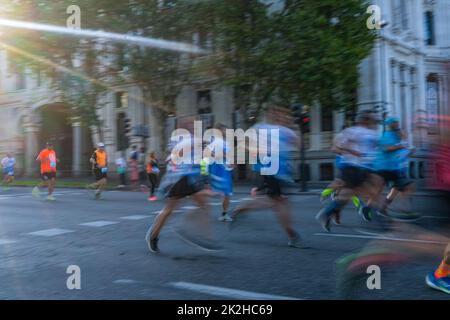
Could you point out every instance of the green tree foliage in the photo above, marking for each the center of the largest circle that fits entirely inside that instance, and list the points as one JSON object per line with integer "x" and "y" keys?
{"x": 277, "y": 52}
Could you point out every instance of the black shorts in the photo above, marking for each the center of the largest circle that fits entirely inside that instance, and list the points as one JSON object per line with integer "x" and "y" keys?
{"x": 273, "y": 186}
{"x": 48, "y": 176}
{"x": 99, "y": 175}
{"x": 186, "y": 186}
{"x": 354, "y": 177}
{"x": 395, "y": 178}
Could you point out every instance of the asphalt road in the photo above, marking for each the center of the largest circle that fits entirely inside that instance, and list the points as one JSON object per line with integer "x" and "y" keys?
{"x": 39, "y": 240}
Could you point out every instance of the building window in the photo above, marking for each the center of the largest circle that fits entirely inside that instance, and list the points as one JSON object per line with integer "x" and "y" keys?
{"x": 326, "y": 172}
{"x": 307, "y": 172}
{"x": 412, "y": 170}
{"x": 121, "y": 100}
{"x": 433, "y": 102}
{"x": 421, "y": 170}
{"x": 404, "y": 14}
{"x": 327, "y": 119}
{"x": 204, "y": 102}
{"x": 429, "y": 29}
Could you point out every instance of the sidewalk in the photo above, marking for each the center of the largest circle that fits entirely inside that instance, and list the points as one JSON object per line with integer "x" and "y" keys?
{"x": 238, "y": 188}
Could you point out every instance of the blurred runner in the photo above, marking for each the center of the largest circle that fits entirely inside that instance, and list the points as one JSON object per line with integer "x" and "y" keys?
{"x": 184, "y": 180}
{"x": 332, "y": 190}
{"x": 221, "y": 177}
{"x": 48, "y": 160}
{"x": 8, "y": 164}
{"x": 409, "y": 242}
{"x": 121, "y": 165}
{"x": 440, "y": 279}
{"x": 392, "y": 164}
{"x": 134, "y": 168}
{"x": 99, "y": 162}
{"x": 152, "y": 174}
{"x": 357, "y": 146}
{"x": 273, "y": 184}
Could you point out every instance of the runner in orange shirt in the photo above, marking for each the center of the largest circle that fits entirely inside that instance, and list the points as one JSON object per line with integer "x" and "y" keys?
{"x": 48, "y": 160}
{"x": 99, "y": 162}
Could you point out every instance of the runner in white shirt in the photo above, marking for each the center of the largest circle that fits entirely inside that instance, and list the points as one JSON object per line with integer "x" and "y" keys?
{"x": 358, "y": 146}
{"x": 8, "y": 164}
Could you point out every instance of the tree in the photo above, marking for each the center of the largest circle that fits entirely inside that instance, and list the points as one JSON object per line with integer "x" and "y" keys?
{"x": 304, "y": 51}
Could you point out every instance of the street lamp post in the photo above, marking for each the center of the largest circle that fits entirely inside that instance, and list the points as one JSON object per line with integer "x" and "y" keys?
{"x": 383, "y": 24}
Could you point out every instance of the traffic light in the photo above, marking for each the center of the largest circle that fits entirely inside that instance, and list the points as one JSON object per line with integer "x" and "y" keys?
{"x": 123, "y": 131}
{"x": 297, "y": 112}
{"x": 305, "y": 121}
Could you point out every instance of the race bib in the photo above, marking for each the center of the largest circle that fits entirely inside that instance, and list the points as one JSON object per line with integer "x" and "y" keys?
{"x": 53, "y": 164}
{"x": 104, "y": 170}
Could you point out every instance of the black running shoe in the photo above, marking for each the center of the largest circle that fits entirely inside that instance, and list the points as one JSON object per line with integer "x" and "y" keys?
{"x": 153, "y": 245}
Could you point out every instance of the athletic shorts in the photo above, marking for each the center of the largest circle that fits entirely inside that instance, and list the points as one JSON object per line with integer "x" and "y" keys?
{"x": 186, "y": 186}
{"x": 8, "y": 172}
{"x": 221, "y": 180}
{"x": 99, "y": 175}
{"x": 48, "y": 176}
{"x": 395, "y": 178}
{"x": 273, "y": 186}
{"x": 353, "y": 177}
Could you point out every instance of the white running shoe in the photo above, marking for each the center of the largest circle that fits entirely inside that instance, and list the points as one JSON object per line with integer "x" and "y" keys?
{"x": 36, "y": 193}
{"x": 51, "y": 198}
{"x": 225, "y": 218}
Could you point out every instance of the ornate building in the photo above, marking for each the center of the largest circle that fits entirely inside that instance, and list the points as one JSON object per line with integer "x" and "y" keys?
{"x": 407, "y": 75}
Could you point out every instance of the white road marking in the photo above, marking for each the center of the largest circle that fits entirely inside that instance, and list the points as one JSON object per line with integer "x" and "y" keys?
{"x": 342, "y": 235}
{"x": 216, "y": 203}
{"x": 42, "y": 194}
{"x": 124, "y": 281}
{"x": 189, "y": 208}
{"x": 247, "y": 199}
{"x": 50, "y": 232}
{"x": 97, "y": 224}
{"x": 5, "y": 241}
{"x": 135, "y": 217}
{"x": 228, "y": 293}
{"x": 235, "y": 201}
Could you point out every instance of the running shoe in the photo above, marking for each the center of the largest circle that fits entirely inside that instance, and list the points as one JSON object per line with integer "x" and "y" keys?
{"x": 324, "y": 220}
{"x": 36, "y": 193}
{"x": 152, "y": 198}
{"x": 51, "y": 198}
{"x": 295, "y": 242}
{"x": 152, "y": 244}
{"x": 365, "y": 213}
{"x": 98, "y": 195}
{"x": 441, "y": 284}
{"x": 6, "y": 188}
{"x": 225, "y": 218}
